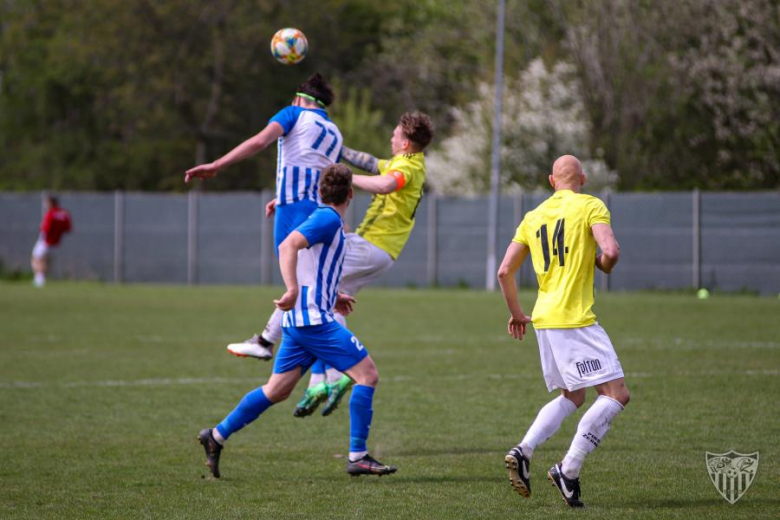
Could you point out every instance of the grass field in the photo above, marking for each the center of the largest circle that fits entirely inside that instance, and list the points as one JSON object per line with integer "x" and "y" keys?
{"x": 103, "y": 389}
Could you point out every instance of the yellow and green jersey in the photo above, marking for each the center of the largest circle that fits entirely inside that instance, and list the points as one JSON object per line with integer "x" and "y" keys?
{"x": 389, "y": 219}
{"x": 563, "y": 251}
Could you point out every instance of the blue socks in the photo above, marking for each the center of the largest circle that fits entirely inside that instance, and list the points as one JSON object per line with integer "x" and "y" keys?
{"x": 318, "y": 367}
{"x": 251, "y": 406}
{"x": 255, "y": 402}
{"x": 360, "y": 414}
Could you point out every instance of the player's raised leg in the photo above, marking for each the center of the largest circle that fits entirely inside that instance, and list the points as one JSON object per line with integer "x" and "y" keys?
{"x": 257, "y": 347}
{"x": 278, "y": 388}
{"x": 547, "y": 422}
{"x": 316, "y": 393}
{"x": 593, "y": 427}
{"x": 338, "y": 383}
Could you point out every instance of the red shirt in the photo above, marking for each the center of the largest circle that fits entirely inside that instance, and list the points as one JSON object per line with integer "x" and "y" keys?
{"x": 56, "y": 222}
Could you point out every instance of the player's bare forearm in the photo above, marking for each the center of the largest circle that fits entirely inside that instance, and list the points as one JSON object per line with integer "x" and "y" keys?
{"x": 376, "y": 184}
{"x": 246, "y": 149}
{"x": 509, "y": 292}
{"x": 251, "y": 146}
{"x": 610, "y": 249}
{"x": 288, "y": 265}
{"x": 513, "y": 259}
{"x": 364, "y": 161}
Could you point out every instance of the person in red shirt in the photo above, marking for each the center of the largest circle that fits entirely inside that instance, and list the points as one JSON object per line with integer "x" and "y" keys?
{"x": 56, "y": 222}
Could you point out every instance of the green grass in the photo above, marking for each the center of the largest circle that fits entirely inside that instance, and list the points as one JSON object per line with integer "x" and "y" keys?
{"x": 103, "y": 389}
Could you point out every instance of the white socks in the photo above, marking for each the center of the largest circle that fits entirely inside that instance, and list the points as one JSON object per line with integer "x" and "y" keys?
{"x": 593, "y": 426}
{"x": 40, "y": 280}
{"x": 316, "y": 379}
{"x": 273, "y": 329}
{"x": 546, "y": 424}
{"x": 332, "y": 375}
{"x": 357, "y": 455}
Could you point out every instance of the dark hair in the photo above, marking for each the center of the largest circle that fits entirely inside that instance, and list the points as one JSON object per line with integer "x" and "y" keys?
{"x": 418, "y": 128}
{"x": 52, "y": 200}
{"x": 335, "y": 183}
{"x": 318, "y": 88}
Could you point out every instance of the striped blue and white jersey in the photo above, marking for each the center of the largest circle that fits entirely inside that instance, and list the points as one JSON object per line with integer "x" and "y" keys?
{"x": 310, "y": 143}
{"x": 319, "y": 269}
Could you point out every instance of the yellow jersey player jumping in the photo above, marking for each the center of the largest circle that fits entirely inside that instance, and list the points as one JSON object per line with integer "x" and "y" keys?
{"x": 561, "y": 235}
{"x": 370, "y": 252}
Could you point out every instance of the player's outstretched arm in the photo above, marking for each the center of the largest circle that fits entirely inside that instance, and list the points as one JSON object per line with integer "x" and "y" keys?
{"x": 610, "y": 249}
{"x": 247, "y": 149}
{"x": 363, "y": 160}
{"x": 513, "y": 259}
{"x": 288, "y": 264}
{"x": 377, "y": 184}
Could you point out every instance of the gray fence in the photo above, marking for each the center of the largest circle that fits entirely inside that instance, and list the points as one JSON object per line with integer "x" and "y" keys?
{"x": 726, "y": 241}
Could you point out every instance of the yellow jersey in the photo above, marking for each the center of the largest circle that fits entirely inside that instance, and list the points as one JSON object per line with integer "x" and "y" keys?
{"x": 563, "y": 251}
{"x": 389, "y": 219}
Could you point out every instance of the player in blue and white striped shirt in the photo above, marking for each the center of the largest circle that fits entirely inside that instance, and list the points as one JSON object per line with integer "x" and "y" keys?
{"x": 311, "y": 260}
{"x": 308, "y": 142}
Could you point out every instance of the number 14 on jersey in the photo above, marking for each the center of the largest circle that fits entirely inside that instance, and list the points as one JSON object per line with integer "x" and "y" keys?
{"x": 559, "y": 248}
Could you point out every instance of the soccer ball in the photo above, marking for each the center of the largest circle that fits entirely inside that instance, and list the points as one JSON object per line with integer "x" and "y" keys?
{"x": 289, "y": 46}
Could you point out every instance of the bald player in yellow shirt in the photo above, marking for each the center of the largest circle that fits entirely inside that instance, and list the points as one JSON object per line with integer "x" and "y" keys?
{"x": 576, "y": 353}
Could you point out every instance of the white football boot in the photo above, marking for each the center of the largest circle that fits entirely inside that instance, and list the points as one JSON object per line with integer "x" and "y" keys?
{"x": 256, "y": 347}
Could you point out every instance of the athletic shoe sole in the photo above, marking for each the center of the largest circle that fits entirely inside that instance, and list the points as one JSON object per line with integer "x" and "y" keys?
{"x": 389, "y": 471}
{"x": 238, "y": 354}
{"x": 514, "y": 476}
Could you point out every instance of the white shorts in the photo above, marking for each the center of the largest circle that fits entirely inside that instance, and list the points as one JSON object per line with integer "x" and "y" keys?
{"x": 577, "y": 358}
{"x": 41, "y": 249}
{"x": 363, "y": 263}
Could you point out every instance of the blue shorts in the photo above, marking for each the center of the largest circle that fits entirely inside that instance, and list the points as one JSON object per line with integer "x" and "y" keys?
{"x": 330, "y": 342}
{"x": 290, "y": 216}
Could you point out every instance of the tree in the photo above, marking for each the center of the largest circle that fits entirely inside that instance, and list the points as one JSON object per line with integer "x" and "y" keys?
{"x": 543, "y": 118}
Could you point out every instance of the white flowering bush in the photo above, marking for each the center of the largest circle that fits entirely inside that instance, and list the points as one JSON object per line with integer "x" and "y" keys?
{"x": 543, "y": 117}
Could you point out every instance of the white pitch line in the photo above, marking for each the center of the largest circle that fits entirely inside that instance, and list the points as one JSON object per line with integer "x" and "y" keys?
{"x": 632, "y": 342}
{"x": 5, "y": 385}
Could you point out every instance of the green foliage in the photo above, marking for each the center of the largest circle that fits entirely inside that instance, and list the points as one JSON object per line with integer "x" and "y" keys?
{"x": 13, "y": 274}
{"x": 110, "y": 94}
{"x": 362, "y": 126}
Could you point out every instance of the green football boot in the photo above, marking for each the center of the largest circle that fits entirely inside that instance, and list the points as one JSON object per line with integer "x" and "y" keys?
{"x": 312, "y": 399}
{"x": 336, "y": 391}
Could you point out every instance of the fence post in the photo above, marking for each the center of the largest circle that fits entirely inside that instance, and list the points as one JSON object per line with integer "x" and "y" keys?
{"x": 119, "y": 235}
{"x": 433, "y": 230}
{"x": 696, "y": 238}
{"x": 265, "y": 240}
{"x": 192, "y": 237}
{"x": 604, "y": 285}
